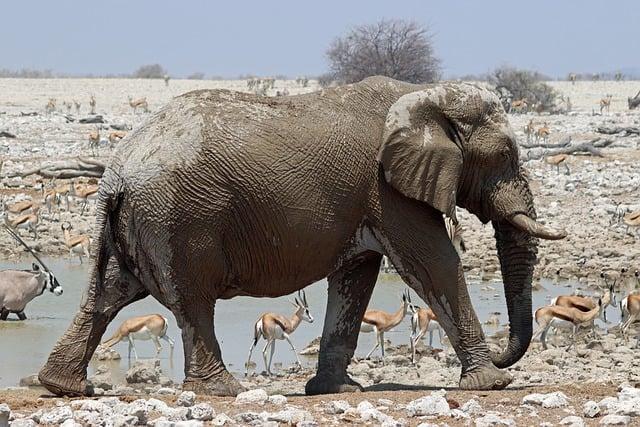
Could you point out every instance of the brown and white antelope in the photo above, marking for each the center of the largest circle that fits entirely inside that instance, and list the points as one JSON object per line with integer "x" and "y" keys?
{"x": 273, "y": 326}
{"x": 94, "y": 140}
{"x": 51, "y": 106}
{"x": 605, "y": 103}
{"x": 423, "y": 320}
{"x": 25, "y": 222}
{"x": 629, "y": 310}
{"x": 116, "y": 136}
{"x": 379, "y": 322}
{"x": 561, "y": 318}
{"x": 78, "y": 244}
{"x": 150, "y": 327}
{"x": 20, "y": 208}
{"x": 519, "y": 106}
{"x": 557, "y": 160}
{"x": 632, "y": 219}
{"x": 529, "y": 130}
{"x": 586, "y": 303}
{"x": 83, "y": 193}
{"x": 139, "y": 103}
{"x": 543, "y": 132}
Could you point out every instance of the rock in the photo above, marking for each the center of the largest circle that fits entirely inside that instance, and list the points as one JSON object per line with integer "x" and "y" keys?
{"x": 186, "y": 398}
{"x": 435, "y": 404}
{"x": 628, "y": 393}
{"x": 336, "y": 407}
{"x": 491, "y": 420}
{"x": 556, "y": 399}
{"x": 177, "y": 414}
{"x": 472, "y": 407}
{"x": 106, "y": 353}
{"x": 145, "y": 372}
{"x": 257, "y": 396}
{"x": 572, "y": 421}
{"x": 30, "y": 381}
{"x": 221, "y": 419}
{"x": 70, "y": 423}
{"x": 626, "y": 407}
{"x": 248, "y": 417}
{"x": 165, "y": 391}
{"x": 368, "y": 412}
{"x": 23, "y": 422}
{"x": 615, "y": 420}
{"x": 202, "y": 412}
{"x": 5, "y": 411}
{"x": 139, "y": 409}
{"x": 91, "y": 418}
{"x": 290, "y": 416}
{"x": 102, "y": 378}
{"x": 590, "y": 409}
{"x": 57, "y": 415}
{"x": 90, "y": 405}
{"x": 277, "y": 399}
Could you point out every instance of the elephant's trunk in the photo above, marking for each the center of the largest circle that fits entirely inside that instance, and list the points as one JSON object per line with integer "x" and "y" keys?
{"x": 517, "y": 253}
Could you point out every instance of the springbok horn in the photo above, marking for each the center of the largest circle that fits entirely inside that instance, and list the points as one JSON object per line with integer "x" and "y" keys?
{"x": 304, "y": 299}
{"x": 15, "y": 236}
{"x": 523, "y": 223}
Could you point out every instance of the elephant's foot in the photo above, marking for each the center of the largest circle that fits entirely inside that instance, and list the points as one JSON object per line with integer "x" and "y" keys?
{"x": 485, "y": 378}
{"x": 330, "y": 383}
{"x": 61, "y": 383}
{"x": 221, "y": 385}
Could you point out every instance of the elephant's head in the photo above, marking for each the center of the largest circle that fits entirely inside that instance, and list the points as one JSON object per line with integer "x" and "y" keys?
{"x": 451, "y": 145}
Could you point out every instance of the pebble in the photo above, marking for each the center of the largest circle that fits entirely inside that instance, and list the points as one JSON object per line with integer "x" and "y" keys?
{"x": 257, "y": 396}
{"x": 186, "y": 398}
{"x": 590, "y": 409}
{"x": 615, "y": 420}
{"x": 435, "y": 404}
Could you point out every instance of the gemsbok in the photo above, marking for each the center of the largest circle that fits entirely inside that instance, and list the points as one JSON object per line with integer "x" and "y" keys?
{"x": 563, "y": 317}
{"x": 78, "y": 244}
{"x": 273, "y": 326}
{"x": 150, "y": 327}
{"x": 379, "y": 322}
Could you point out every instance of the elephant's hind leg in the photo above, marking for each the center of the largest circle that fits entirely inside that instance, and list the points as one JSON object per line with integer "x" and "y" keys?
{"x": 350, "y": 289}
{"x": 205, "y": 371}
{"x": 111, "y": 289}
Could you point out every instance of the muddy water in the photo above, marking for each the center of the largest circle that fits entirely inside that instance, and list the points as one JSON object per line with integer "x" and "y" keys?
{"x": 25, "y": 345}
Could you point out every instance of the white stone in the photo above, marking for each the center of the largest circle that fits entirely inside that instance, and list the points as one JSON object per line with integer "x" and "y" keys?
{"x": 336, "y": 407}
{"x": 628, "y": 393}
{"x": 186, "y": 398}
{"x": 491, "y": 420}
{"x": 277, "y": 399}
{"x": 472, "y": 407}
{"x": 590, "y": 409}
{"x": 435, "y": 404}
{"x": 166, "y": 391}
{"x": 70, "y": 423}
{"x": 221, "y": 419}
{"x": 556, "y": 399}
{"x": 629, "y": 407}
{"x": 257, "y": 396}
{"x": 290, "y": 416}
{"x": 5, "y": 411}
{"x": 615, "y": 420}
{"x": 23, "y": 422}
{"x": 572, "y": 421}
{"x": 57, "y": 415}
{"x": 138, "y": 408}
{"x": 202, "y": 412}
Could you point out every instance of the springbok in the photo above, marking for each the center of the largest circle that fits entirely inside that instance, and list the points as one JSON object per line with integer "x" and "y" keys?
{"x": 543, "y": 132}
{"x": 77, "y": 105}
{"x": 25, "y": 222}
{"x": 19, "y": 287}
{"x": 629, "y": 311}
{"x": 605, "y": 103}
{"x": 83, "y": 193}
{"x": 632, "y": 219}
{"x": 379, "y": 322}
{"x": 557, "y": 160}
{"x": 116, "y": 136}
{"x": 94, "y": 140}
{"x": 562, "y": 317}
{"x": 150, "y": 327}
{"x": 20, "y": 208}
{"x": 587, "y": 304}
{"x": 50, "y": 197}
{"x": 423, "y": 320}
{"x": 51, "y": 106}
{"x": 519, "y": 106}
{"x": 139, "y": 103}
{"x": 529, "y": 130}
{"x": 92, "y": 104}
{"x": 272, "y": 327}
{"x": 572, "y": 78}
{"x": 78, "y": 244}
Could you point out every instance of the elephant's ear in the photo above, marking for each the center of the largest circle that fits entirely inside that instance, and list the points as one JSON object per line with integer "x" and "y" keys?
{"x": 420, "y": 153}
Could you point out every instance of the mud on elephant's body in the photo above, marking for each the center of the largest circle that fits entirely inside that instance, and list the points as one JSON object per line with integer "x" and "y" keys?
{"x": 222, "y": 194}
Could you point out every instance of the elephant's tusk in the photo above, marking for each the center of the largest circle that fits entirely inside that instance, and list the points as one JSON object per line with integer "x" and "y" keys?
{"x": 523, "y": 223}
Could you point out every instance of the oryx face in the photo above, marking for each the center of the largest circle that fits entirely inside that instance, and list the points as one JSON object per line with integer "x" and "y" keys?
{"x": 52, "y": 284}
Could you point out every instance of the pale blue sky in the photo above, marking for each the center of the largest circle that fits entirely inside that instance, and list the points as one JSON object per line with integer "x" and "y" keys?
{"x": 290, "y": 37}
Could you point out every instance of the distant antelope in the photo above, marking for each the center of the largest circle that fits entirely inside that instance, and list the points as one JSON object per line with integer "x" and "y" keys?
{"x": 92, "y": 104}
{"x": 77, "y": 105}
{"x": 379, "y": 322}
{"x": 150, "y": 327}
{"x": 529, "y": 130}
{"x": 78, "y": 244}
{"x": 67, "y": 105}
{"x": 543, "y": 132}
{"x": 557, "y": 160}
{"x": 139, "y": 103}
{"x": 585, "y": 303}
{"x": 116, "y": 136}
{"x": 50, "y": 197}
{"x": 51, "y": 106}
{"x": 519, "y": 106}
{"x": 94, "y": 139}
{"x": 272, "y": 327}
{"x": 166, "y": 79}
{"x": 572, "y": 78}
{"x": 562, "y": 317}
{"x": 20, "y": 208}
{"x": 423, "y": 320}
{"x": 605, "y": 103}
{"x": 83, "y": 193}
{"x": 25, "y": 222}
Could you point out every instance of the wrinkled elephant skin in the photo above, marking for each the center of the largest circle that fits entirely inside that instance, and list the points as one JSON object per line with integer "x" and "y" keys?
{"x": 222, "y": 194}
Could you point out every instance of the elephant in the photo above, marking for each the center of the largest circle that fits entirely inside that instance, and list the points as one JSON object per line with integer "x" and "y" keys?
{"x": 221, "y": 194}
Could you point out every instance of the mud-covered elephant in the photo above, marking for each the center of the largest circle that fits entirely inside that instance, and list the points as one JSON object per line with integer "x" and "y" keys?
{"x": 222, "y": 194}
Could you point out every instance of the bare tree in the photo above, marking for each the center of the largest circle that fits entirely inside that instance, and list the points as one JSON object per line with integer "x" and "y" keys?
{"x": 399, "y": 49}
{"x": 150, "y": 71}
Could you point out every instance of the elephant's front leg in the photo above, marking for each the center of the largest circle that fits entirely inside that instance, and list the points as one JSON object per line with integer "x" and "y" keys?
{"x": 350, "y": 289}
{"x": 426, "y": 259}
{"x": 204, "y": 369}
